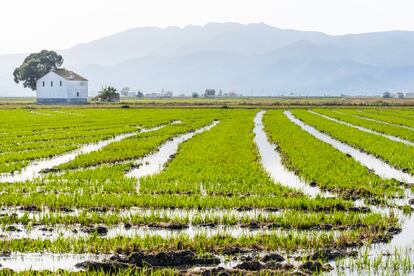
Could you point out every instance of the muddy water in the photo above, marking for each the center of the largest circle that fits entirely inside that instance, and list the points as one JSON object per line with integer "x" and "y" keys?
{"x": 77, "y": 232}
{"x": 47, "y": 261}
{"x": 390, "y": 137}
{"x": 403, "y": 242}
{"x": 272, "y": 162}
{"x": 379, "y": 167}
{"x": 396, "y": 257}
{"x": 34, "y": 169}
{"x": 162, "y": 212}
{"x": 154, "y": 163}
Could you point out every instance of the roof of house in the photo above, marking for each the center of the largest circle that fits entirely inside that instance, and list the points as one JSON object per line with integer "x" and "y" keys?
{"x": 69, "y": 75}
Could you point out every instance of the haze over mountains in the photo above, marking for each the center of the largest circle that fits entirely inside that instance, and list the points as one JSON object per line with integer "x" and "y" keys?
{"x": 252, "y": 59}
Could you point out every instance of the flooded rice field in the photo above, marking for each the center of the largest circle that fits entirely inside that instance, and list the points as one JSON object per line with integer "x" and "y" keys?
{"x": 34, "y": 169}
{"x": 154, "y": 163}
{"x": 378, "y": 166}
{"x": 392, "y": 138}
{"x": 212, "y": 191}
{"x": 272, "y": 162}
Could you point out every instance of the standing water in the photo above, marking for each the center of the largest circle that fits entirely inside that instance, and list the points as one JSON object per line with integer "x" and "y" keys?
{"x": 34, "y": 169}
{"x": 379, "y": 167}
{"x": 272, "y": 162}
{"x": 154, "y": 163}
{"x": 390, "y": 137}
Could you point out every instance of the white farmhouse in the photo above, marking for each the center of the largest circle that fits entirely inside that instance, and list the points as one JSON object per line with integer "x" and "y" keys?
{"x": 62, "y": 86}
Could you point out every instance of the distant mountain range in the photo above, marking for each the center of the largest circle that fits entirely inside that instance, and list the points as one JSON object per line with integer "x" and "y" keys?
{"x": 253, "y": 59}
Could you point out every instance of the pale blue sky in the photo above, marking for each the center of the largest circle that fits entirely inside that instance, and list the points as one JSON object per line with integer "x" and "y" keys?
{"x": 28, "y": 25}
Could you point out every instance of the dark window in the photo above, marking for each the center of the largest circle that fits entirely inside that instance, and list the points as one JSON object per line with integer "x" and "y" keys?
{"x": 77, "y": 94}
{"x": 60, "y": 83}
{"x": 51, "y": 83}
{"x": 43, "y": 84}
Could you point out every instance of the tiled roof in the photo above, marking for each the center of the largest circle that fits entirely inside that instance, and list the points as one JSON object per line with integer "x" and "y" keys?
{"x": 69, "y": 75}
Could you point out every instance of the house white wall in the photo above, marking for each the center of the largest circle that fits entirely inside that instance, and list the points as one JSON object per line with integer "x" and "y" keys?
{"x": 53, "y": 88}
{"x": 45, "y": 89}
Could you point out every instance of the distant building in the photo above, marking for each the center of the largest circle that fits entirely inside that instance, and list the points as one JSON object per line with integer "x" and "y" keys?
{"x": 399, "y": 95}
{"x": 166, "y": 94}
{"x": 210, "y": 93}
{"x": 125, "y": 91}
{"x": 409, "y": 95}
{"x": 62, "y": 86}
{"x": 152, "y": 95}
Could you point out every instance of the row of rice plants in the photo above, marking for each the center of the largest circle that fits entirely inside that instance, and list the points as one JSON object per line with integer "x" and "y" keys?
{"x": 376, "y": 126}
{"x": 396, "y": 154}
{"x": 70, "y": 137}
{"x": 223, "y": 160}
{"x": 201, "y": 244}
{"x": 287, "y": 219}
{"x": 135, "y": 147}
{"x": 319, "y": 163}
{"x": 390, "y": 116}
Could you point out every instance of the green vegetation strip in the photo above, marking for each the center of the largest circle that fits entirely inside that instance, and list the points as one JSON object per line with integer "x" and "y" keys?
{"x": 286, "y": 219}
{"x": 200, "y": 244}
{"x": 379, "y": 127}
{"x": 323, "y": 165}
{"x": 394, "y": 116}
{"x": 396, "y": 154}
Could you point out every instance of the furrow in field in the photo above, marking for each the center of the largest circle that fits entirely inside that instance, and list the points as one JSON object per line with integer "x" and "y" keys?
{"x": 394, "y": 118}
{"x": 381, "y": 122}
{"x": 155, "y": 162}
{"x": 40, "y": 113}
{"x": 397, "y": 155}
{"x": 272, "y": 162}
{"x": 321, "y": 164}
{"x": 34, "y": 169}
{"x": 68, "y": 113}
{"x": 46, "y": 222}
{"x": 221, "y": 163}
{"x": 133, "y": 148}
{"x": 390, "y": 137}
{"x": 379, "y": 167}
{"x": 76, "y": 232}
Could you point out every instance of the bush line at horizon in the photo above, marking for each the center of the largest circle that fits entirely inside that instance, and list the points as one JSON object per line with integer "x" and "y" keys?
{"x": 396, "y": 154}
{"x": 316, "y": 161}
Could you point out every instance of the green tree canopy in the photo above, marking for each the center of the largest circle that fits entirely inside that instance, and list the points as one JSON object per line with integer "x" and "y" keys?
{"x": 35, "y": 66}
{"x": 108, "y": 94}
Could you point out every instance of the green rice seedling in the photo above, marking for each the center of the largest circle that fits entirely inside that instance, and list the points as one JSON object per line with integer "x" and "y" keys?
{"x": 396, "y": 154}
{"x": 318, "y": 162}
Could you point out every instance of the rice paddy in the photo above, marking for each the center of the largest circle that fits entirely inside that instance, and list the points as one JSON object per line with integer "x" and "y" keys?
{"x": 206, "y": 191}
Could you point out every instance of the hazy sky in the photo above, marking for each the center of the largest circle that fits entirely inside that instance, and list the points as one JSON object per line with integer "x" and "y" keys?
{"x": 28, "y": 25}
